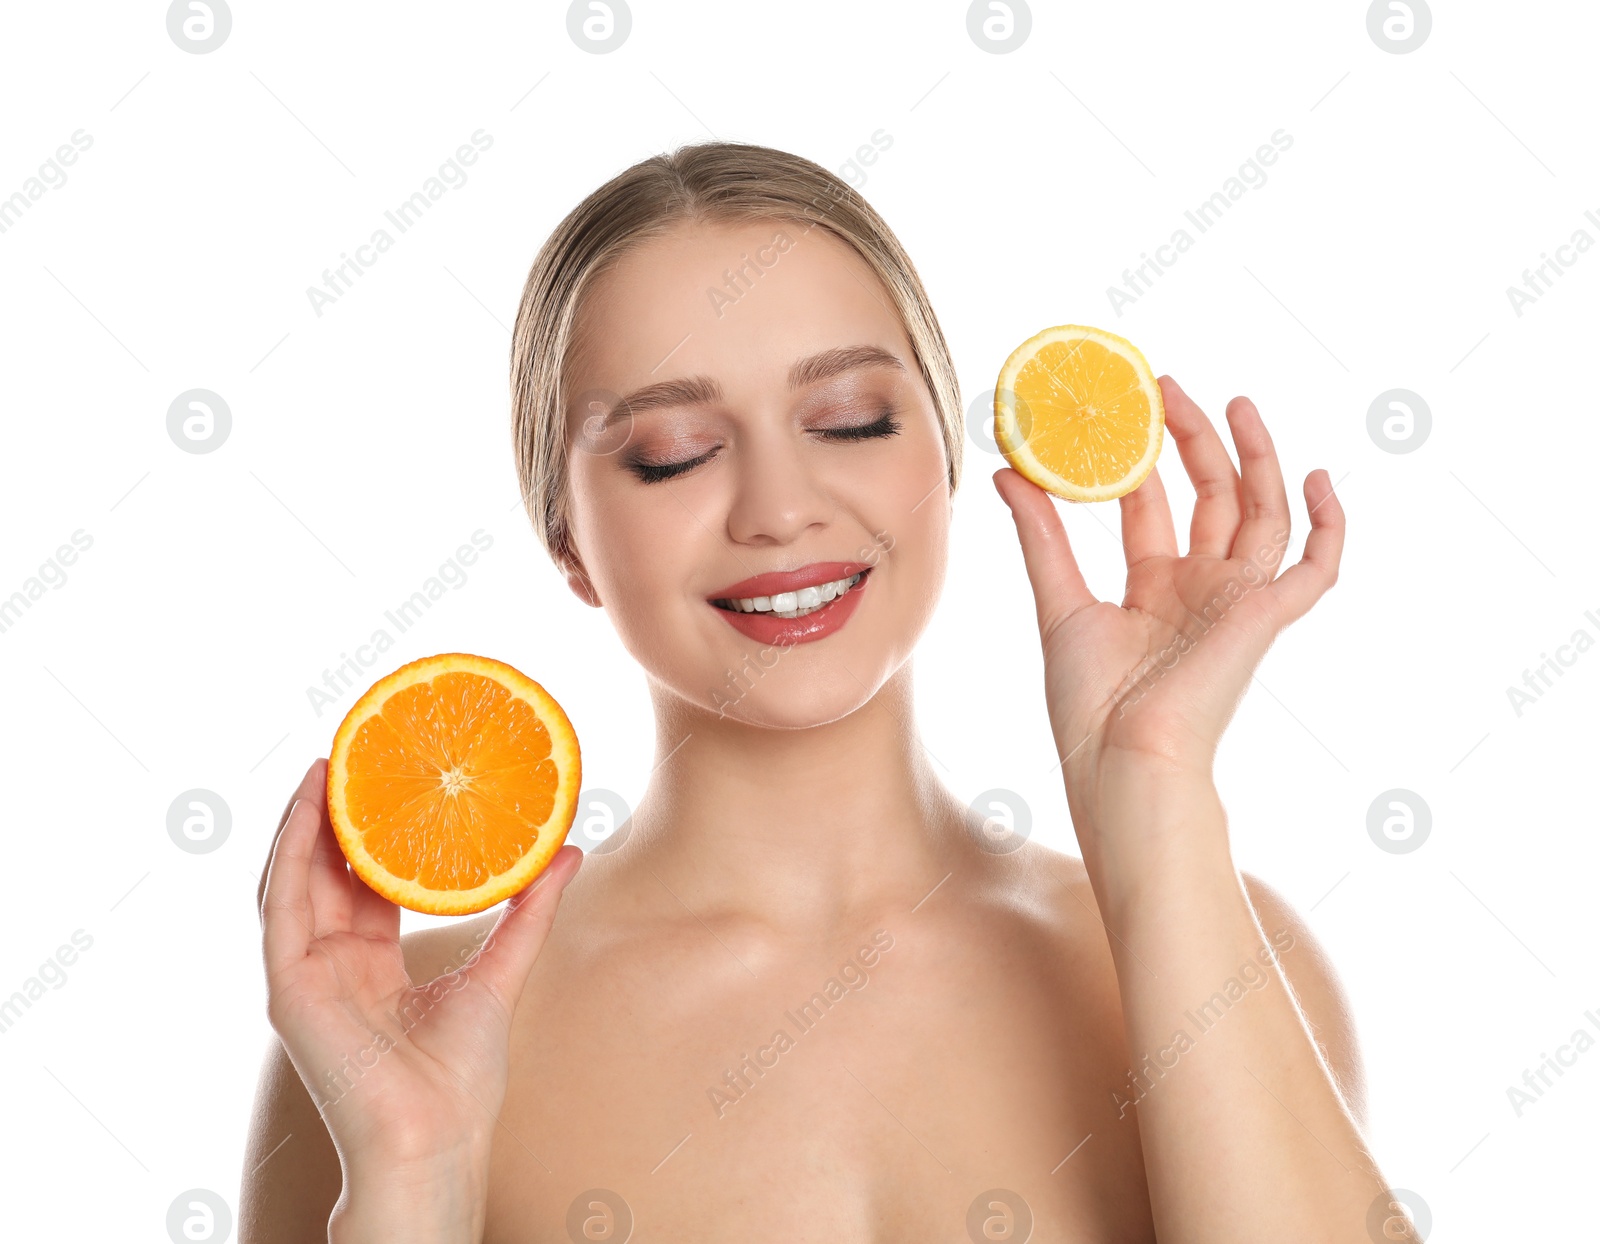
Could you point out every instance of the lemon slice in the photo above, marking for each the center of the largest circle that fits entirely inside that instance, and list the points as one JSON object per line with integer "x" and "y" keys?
{"x": 1078, "y": 411}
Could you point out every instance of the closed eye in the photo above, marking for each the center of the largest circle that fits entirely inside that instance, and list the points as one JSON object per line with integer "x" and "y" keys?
{"x": 654, "y": 472}
{"x": 885, "y": 425}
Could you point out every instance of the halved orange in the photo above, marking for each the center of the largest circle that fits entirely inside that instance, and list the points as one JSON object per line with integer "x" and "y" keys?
{"x": 1078, "y": 411}
{"x": 451, "y": 783}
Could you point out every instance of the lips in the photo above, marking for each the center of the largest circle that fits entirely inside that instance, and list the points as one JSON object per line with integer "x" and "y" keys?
{"x": 784, "y": 633}
{"x": 776, "y": 581}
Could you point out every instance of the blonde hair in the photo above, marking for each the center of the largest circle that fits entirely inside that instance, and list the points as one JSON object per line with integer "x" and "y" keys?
{"x": 712, "y": 182}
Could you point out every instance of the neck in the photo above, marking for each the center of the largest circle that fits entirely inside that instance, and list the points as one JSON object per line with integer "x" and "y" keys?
{"x": 799, "y": 829}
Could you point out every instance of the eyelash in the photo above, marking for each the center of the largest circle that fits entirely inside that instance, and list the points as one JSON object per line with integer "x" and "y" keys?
{"x": 885, "y": 425}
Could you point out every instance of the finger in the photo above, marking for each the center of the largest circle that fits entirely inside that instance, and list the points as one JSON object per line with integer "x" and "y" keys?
{"x": 1216, "y": 483}
{"x": 1302, "y": 585}
{"x": 1058, "y": 587}
{"x": 507, "y": 956}
{"x": 372, "y": 915}
{"x": 310, "y": 784}
{"x": 331, "y": 903}
{"x": 286, "y": 905}
{"x": 1147, "y": 521}
{"x": 1264, "y": 534}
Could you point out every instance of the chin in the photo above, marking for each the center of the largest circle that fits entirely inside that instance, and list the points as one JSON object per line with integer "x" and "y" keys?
{"x": 793, "y": 704}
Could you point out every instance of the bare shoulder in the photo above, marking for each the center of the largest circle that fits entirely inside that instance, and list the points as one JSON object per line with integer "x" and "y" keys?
{"x": 1050, "y": 890}
{"x": 1315, "y": 983}
{"x": 292, "y": 1178}
{"x": 432, "y": 952}
{"x": 1058, "y": 885}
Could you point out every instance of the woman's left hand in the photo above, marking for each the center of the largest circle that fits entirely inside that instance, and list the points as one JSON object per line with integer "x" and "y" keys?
{"x": 1153, "y": 681}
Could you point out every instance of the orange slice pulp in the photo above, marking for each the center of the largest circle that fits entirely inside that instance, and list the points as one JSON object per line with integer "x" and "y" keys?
{"x": 452, "y": 782}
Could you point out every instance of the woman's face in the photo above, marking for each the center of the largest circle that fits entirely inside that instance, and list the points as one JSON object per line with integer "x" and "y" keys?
{"x": 761, "y": 360}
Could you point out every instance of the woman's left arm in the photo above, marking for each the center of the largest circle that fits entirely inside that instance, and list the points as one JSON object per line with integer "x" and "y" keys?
{"x": 1246, "y": 1131}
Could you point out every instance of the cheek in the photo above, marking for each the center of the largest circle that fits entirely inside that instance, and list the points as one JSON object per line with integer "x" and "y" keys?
{"x": 912, "y": 503}
{"x": 920, "y": 555}
{"x": 633, "y": 540}
{"x": 643, "y": 548}
{"x": 917, "y": 521}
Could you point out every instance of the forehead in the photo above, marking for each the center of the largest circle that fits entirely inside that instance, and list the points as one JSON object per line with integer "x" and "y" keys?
{"x": 735, "y": 301}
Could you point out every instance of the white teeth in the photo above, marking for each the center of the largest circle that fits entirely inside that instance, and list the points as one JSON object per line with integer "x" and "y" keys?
{"x": 798, "y": 603}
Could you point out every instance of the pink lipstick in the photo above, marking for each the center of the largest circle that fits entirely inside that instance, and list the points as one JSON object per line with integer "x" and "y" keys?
{"x": 818, "y": 599}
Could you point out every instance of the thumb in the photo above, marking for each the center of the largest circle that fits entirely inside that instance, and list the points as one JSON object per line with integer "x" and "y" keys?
{"x": 1058, "y": 587}
{"x": 506, "y": 958}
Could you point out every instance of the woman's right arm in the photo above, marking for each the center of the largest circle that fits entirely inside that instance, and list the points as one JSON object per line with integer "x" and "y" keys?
{"x": 378, "y": 1102}
{"x": 291, "y": 1169}
{"x": 293, "y": 1179}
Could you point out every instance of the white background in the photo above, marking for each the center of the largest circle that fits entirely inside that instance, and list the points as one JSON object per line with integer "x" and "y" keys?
{"x": 368, "y": 443}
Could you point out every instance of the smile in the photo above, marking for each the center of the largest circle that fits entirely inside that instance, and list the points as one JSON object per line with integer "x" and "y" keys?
{"x": 794, "y": 606}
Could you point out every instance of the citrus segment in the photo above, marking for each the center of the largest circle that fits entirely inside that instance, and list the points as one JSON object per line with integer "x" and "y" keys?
{"x": 1078, "y": 411}
{"x": 451, "y": 783}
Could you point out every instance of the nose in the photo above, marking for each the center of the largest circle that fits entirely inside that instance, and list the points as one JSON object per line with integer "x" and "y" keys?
{"x": 777, "y": 495}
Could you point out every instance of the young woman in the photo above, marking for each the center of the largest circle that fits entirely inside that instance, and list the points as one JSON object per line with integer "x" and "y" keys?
{"x": 808, "y": 997}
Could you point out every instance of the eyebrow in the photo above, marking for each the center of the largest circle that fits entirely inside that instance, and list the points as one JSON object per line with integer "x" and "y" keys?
{"x": 703, "y": 390}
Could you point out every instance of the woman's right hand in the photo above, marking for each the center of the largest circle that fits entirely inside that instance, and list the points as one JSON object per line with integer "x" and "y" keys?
{"x": 408, "y": 1078}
